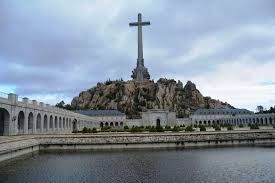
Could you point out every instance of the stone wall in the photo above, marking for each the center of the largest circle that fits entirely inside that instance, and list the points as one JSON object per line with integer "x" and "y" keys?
{"x": 20, "y": 145}
{"x": 143, "y": 138}
{"x": 183, "y": 121}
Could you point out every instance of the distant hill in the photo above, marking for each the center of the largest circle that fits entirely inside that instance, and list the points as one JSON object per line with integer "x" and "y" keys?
{"x": 133, "y": 97}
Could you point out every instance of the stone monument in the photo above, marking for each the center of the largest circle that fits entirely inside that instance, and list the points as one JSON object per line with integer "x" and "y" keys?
{"x": 140, "y": 73}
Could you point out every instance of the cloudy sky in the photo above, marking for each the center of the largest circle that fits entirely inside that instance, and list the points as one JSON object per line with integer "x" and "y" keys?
{"x": 51, "y": 50}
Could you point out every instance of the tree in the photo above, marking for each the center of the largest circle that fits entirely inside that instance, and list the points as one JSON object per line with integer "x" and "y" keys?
{"x": 62, "y": 105}
{"x": 260, "y": 109}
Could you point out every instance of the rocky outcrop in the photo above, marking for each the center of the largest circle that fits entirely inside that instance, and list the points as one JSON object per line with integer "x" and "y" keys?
{"x": 133, "y": 97}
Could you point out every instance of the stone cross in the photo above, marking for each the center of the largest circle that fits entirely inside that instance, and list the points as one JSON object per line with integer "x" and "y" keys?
{"x": 139, "y": 24}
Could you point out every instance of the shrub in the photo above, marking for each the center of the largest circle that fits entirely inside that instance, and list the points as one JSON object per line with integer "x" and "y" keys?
{"x": 254, "y": 126}
{"x": 126, "y": 127}
{"x": 176, "y": 129}
{"x": 230, "y": 128}
{"x": 135, "y": 129}
{"x": 94, "y": 130}
{"x": 273, "y": 126}
{"x": 202, "y": 128}
{"x": 159, "y": 129}
{"x": 189, "y": 128}
{"x": 217, "y": 127}
{"x": 195, "y": 126}
{"x": 152, "y": 129}
{"x": 182, "y": 126}
{"x": 85, "y": 130}
{"x": 241, "y": 125}
{"x": 167, "y": 127}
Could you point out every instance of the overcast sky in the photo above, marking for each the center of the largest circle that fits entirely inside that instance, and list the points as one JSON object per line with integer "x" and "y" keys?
{"x": 51, "y": 50}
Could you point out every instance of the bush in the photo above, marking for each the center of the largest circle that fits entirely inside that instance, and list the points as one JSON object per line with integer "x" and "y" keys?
{"x": 273, "y": 126}
{"x": 216, "y": 127}
{"x": 126, "y": 127}
{"x": 167, "y": 127}
{"x": 230, "y": 128}
{"x": 159, "y": 129}
{"x": 85, "y": 130}
{"x": 241, "y": 126}
{"x": 152, "y": 129}
{"x": 254, "y": 126}
{"x": 182, "y": 126}
{"x": 189, "y": 128}
{"x": 94, "y": 130}
{"x": 202, "y": 128}
{"x": 135, "y": 129}
{"x": 176, "y": 129}
{"x": 195, "y": 126}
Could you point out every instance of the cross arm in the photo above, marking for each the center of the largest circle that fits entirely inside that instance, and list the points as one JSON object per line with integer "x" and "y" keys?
{"x": 133, "y": 24}
{"x": 136, "y": 24}
{"x": 145, "y": 23}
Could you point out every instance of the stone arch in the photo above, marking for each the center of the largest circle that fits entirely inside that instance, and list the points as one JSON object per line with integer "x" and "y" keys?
{"x": 64, "y": 122}
{"x": 70, "y": 123}
{"x": 45, "y": 124}
{"x": 209, "y": 122}
{"x": 257, "y": 120}
{"x": 4, "y": 121}
{"x": 106, "y": 124}
{"x": 121, "y": 123}
{"x": 204, "y": 122}
{"x": 101, "y": 124}
{"x": 21, "y": 122}
{"x": 74, "y": 125}
{"x": 51, "y": 122}
{"x": 55, "y": 122}
{"x": 116, "y": 123}
{"x": 200, "y": 122}
{"x": 30, "y": 122}
{"x": 265, "y": 121}
{"x": 270, "y": 120}
{"x": 158, "y": 122}
{"x": 262, "y": 121}
{"x": 111, "y": 124}
{"x": 38, "y": 122}
{"x": 60, "y": 121}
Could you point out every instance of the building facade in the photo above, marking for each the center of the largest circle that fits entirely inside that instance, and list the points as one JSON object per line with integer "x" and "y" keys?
{"x": 32, "y": 117}
{"x": 230, "y": 116}
{"x": 105, "y": 118}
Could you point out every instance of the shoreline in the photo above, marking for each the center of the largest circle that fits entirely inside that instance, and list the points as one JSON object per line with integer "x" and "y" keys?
{"x": 15, "y": 146}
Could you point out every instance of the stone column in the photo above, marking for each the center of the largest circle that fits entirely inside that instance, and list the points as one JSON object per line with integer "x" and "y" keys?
{"x": 26, "y": 123}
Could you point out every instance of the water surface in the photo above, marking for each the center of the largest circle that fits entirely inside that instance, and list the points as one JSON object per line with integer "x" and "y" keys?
{"x": 249, "y": 164}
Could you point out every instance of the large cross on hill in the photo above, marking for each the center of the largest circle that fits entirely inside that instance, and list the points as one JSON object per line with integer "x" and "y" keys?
{"x": 140, "y": 72}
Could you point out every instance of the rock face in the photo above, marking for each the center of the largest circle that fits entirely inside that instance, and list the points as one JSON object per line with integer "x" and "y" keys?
{"x": 133, "y": 97}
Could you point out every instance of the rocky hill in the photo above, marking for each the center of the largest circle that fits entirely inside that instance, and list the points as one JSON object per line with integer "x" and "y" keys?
{"x": 133, "y": 97}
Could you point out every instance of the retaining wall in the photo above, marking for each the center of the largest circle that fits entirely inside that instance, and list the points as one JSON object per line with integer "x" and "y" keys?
{"x": 13, "y": 148}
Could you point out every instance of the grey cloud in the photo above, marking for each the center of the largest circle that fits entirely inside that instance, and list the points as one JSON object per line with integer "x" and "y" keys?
{"x": 50, "y": 52}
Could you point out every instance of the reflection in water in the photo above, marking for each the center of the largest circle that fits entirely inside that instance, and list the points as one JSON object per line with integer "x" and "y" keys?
{"x": 251, "y": 164}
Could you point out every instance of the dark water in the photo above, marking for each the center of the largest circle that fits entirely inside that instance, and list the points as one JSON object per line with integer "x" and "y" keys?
{"x": 250, "y": 164}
